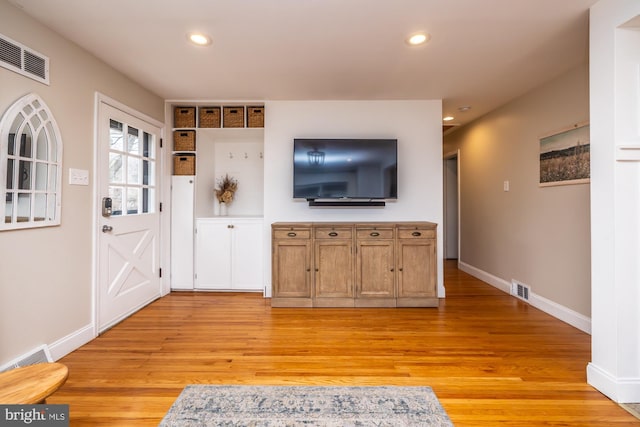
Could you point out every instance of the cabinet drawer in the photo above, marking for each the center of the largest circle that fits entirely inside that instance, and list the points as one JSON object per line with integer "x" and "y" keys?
{"x": 292, "y": 234}
{"x": 333, "y": 233}
{"x": 370, "y": 233}
{"x": 420, "y": 233}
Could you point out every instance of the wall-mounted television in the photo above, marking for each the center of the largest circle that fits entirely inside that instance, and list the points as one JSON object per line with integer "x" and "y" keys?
{"x": 343, "y": 170}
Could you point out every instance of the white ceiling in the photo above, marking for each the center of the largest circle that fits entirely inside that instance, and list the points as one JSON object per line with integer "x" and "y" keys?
{"x": 482, "y": 53}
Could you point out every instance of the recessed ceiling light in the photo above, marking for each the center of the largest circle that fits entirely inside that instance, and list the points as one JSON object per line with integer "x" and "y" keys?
{"x": 464, "y": 108}
{"x": 447, "y": 119}
{"x": 418, "y": 39}
{"x": 199, "y": 39}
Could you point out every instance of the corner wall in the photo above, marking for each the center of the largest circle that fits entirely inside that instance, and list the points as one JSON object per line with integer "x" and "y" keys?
{"x": 46, "y": 273}
{"x": 615, "y": 198}
{"x": 538, "y": 236}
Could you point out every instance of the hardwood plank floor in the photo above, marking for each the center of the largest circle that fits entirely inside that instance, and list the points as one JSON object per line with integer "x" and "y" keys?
{"x": 491, "y": 359}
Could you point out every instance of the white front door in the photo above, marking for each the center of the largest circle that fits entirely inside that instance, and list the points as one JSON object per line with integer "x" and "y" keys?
{"x": 128, "y": 242}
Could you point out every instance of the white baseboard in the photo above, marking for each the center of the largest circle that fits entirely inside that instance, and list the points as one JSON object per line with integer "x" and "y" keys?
{"x": 71, "y": 342}
{"x": 626, "y": 390}
{"x": 552, "y": 308}
{"x": 494, "y": 281}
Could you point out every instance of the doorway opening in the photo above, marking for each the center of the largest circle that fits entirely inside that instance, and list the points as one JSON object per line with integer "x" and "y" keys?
{"x": 451, "y": 204}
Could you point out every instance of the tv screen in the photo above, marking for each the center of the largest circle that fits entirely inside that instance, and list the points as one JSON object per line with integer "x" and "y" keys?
{"x": 345, "y": 169}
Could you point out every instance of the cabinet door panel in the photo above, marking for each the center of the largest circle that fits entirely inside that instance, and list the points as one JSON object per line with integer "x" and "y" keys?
{"x": 291, "y": 268}
{"x": 182, "y": 197}
{"x": 213, "y": 255}
{"x": 334, "y": 269}
{"x": 247, "y": 260}
{"x": 417, "y": 268}
{"x": 375, "y": 269}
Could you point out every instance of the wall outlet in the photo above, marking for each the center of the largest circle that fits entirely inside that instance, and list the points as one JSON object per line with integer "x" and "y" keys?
{"x": 505, "y": 186}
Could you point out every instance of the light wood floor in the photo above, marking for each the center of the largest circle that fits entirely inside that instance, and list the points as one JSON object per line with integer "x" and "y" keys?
{"x": 491, "y": 359}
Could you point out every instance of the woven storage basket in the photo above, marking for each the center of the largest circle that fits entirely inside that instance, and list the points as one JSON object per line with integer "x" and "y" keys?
{"x": 209, "y": 117}
{"x": 184, "y": 140}
{"x": 233, "y": 117}
{"x": 255, "y": 117}
{"x": 184, "y": 164}
{"x": 184, "y": 117}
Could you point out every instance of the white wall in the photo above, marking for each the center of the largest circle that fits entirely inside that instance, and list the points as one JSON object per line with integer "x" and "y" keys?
{"x": 46, "y": 273}
{"x": 535, "y": 235}
{"x": 415, "y": 124}
{"x": 615, "y": 198}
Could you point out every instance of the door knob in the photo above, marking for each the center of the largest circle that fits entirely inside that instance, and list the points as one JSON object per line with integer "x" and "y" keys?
{"x": 107, "y": 228}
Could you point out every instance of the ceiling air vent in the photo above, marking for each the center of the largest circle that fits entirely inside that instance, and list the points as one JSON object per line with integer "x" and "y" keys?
{"x": 17, "y": 57}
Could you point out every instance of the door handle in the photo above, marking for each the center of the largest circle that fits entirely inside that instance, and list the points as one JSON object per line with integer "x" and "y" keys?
{"x": 107, "y": 228}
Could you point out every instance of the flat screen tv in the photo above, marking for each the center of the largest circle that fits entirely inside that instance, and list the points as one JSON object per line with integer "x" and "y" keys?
{"x": 345, "y": 169}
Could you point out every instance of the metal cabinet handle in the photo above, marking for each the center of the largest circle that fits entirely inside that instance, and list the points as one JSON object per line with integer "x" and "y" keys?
{"x": 333, "y": 234}
{"x": 374, "y": 234}
{"x": 292, "y": 234}
{"x": 107, "y": 228}
{"x": 416, "y": 234}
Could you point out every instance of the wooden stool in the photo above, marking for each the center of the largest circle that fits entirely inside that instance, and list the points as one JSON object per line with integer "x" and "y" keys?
{"x": 31, "y": 384}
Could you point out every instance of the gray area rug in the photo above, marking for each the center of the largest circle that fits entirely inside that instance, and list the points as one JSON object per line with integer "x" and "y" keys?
{"x": 210, "y": 405}
{"x": 632, "y": 408}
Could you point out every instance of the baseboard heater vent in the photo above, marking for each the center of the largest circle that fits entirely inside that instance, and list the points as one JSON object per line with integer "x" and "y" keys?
{"x": 23, "y": 60}
{"x": 38, "y": 355}
{"x": 520, "y": 290}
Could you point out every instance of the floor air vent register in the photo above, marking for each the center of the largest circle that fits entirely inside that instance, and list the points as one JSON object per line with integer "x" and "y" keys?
{"x": 520, "y": 290}
{"x": 37, "y": 355}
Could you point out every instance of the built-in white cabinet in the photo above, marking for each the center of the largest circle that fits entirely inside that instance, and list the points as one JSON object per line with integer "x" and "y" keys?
{"x": 228, "y": 254}
{"x": 209, "y": 141}
{"x": 182, "y": 221}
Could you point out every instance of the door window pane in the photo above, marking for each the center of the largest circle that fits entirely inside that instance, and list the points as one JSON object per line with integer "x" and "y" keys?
{"x": 115, "y": 193}
{"x": 115, "y": 168}
{"x": 133, "y": 201}
{"x": 148, "y": 172}
{"x": 133, "y": 141}
{"x": 133, "y": 170}
{"x": 148, "y": 146}
{"x": 148, "y": 200}
{"x": 53, "y": 178}
{"x": 116, "y": 136}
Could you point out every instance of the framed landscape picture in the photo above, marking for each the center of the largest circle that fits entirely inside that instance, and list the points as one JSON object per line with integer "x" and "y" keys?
{"x": 565, "y": 156}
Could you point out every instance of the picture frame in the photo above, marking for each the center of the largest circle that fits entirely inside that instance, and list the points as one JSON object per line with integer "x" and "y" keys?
{"x": 565, "y": 156}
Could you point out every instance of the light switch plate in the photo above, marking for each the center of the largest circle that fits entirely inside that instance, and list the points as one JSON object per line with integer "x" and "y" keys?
{"x": 505, "y": 186}
{"x": 78, "y": 176}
